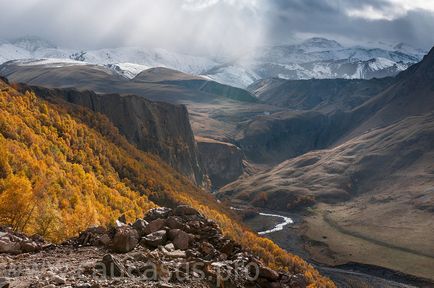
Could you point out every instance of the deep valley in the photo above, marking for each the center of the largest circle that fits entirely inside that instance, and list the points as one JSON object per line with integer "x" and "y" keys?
{"x": 305, "y": 159}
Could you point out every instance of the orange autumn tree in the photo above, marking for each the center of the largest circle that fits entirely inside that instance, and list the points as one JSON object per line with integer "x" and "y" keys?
{"x": 16, "y": 202}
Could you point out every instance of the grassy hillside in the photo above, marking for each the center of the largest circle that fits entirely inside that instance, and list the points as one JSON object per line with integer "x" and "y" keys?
{"x": 63, "y": 168}
{"x": 400, "y": 153}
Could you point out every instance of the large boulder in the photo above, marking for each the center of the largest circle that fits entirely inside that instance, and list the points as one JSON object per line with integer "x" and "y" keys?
{"x": 124, "y": 239}
{"x": 154, "y": 226}
{"x": 181, "y": 240}
{"x": 12, "y": 242}
{"x": 155, "y": 239}
{"x": 172, "y": 233}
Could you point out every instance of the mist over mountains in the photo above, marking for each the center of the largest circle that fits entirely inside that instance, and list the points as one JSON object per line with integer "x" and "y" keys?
{"x": 318, "y": 58}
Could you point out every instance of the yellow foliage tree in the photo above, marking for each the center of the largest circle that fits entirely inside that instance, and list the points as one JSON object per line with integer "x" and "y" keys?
{"x": 16, "y": 201}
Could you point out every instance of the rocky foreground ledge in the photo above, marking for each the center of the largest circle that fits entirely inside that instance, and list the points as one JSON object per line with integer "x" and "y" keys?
{"x": 167, "y": 248}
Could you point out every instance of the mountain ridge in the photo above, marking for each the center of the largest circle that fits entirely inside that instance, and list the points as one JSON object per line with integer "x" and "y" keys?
{"x": 143, "y": 123}
{"x": 313, "y": 58}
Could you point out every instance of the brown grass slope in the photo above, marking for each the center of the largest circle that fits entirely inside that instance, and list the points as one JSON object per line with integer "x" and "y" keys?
{"x": 63, "y": 168}
{"x": 401, "y": 154}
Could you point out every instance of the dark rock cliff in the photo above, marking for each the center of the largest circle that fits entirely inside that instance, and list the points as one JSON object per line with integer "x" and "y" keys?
{"x": 159, "y": 128}
{"x": 223, "y": 161}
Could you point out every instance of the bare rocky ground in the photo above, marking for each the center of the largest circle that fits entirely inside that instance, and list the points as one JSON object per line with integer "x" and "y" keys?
{"x": 168, "y": 248}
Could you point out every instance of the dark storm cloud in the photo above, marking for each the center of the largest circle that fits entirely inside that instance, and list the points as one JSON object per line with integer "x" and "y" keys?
{"x": 378, "y": 20}
{"x": 216, "y": 26}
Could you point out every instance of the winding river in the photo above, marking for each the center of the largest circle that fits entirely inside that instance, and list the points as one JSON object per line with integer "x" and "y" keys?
{"x": 278, "y": 227}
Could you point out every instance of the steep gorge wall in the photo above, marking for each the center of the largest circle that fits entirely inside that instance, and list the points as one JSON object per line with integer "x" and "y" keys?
{"x": 223, "y": 161}
{"x": 156, "y": 127}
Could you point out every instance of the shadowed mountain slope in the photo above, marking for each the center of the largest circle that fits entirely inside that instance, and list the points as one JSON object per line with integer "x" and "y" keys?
{"x": 328, "y": 112}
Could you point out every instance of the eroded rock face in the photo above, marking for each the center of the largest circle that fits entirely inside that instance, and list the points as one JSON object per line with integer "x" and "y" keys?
{"x": 156, "y": 127}
{"x": 223, "y": 161}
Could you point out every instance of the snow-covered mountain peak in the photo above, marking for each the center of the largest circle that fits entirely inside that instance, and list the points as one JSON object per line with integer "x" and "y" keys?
{"x": 314, "y": 58}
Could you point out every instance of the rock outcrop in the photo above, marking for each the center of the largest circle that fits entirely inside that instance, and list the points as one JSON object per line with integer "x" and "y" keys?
{"x": 17, "y": 243}
{"x": 196, "y": 255}
{"x": 156, "y": 127}
{"x": 223, "y": 161}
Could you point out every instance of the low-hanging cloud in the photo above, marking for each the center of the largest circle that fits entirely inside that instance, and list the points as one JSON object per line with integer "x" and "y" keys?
{"x": 215, "y": 27}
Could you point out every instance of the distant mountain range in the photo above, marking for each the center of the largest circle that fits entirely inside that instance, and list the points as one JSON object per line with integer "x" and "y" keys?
{"x": 318, "y": 58}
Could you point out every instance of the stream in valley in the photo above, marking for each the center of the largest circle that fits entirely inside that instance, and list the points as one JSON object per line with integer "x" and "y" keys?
{"x": 282, "y": 229}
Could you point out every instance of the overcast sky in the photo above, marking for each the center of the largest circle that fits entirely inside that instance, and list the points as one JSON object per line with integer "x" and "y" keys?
{"x": 217, "y": 26}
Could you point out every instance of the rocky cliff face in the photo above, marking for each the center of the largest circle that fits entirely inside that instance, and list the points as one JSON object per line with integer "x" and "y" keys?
{"x": 223, "y": 161}
{"x": 159, "y": 128}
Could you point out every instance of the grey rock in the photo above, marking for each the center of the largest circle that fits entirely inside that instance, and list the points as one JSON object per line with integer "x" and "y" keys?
{"x": 175, "y": 254}
{"x": 169, "y": 247}
{"x": 155, "y": 239}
